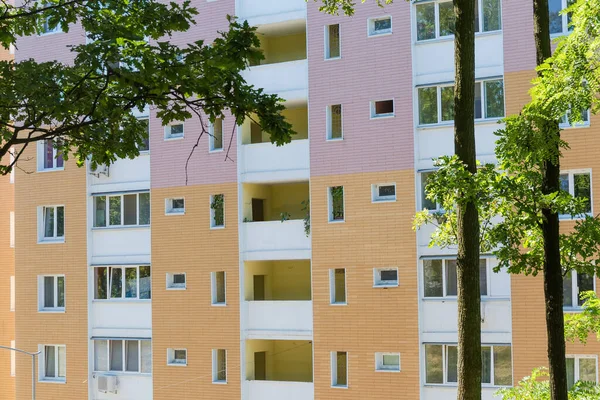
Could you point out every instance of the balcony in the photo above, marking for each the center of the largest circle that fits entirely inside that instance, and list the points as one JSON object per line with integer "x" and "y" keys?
{"x": 129, "y": 245}
{"x": 259, "y": 12}
{"x": 269, "y": 390}
{"x": 129, "y": 386}
{"x": 288, "y": 79}
{"x": 119, "y": 318}
{"x": 279, "y": 319}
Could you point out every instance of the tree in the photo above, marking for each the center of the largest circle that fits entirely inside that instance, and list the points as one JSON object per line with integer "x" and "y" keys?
{"x": 534, "y": 388}
{"x": 579, "y": 326}
{"x": 126, "y": 64}
{"x": 467, "y": 220}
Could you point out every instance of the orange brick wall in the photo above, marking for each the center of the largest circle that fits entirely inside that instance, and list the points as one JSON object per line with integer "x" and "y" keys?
{"x": 375, "y": 320}
{"x": 70, "y": 258}
{"x": 186, "y": 319}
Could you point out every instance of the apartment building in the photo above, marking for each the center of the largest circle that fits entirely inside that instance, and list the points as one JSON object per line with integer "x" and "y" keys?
{"x": 292, "y": 272}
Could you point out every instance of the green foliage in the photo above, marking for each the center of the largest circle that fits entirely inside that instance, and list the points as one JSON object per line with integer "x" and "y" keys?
{"x": 306, "y": 209}
{"x": 536, "y": 387}
{"x": 337, "y": 202}
{"x": 285, "y": 216}
{"x": 333, "y": 7}
{"x": 88, "y": 103}
{"x": 578, "y": 326}
{"x": 217, "y": 205}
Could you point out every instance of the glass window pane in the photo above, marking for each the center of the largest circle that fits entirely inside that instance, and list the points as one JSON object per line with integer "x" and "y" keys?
{"x": 502, "y": 366}
{"x": 570, "y": 372}
{"x": 478, "y": 112}
{"x": 486, "y": 364}
{"x": 494, "y": 99}
{"x": 492, "y": 20}
{"x": 99, "y": 211}
{"x": 425, "y": 21}
{"x": 432, "y": 270}
{"x": 60, "y": 289}
{"x": 221, "y": 365}
{"x": 564, "y": 182}
{"x": 452, "y": 363}
{"x": 554, "y": 7}
{"x": 340, "y": 286}
{"x": 115, "y": 210}
{"x": 217, "y": 138}
{"x": 62, "y": 361}
{"x": 447, "y": 94}
{"x": 49, "y": 292}
{"x": 434, "y": 371}
{"x": 100, "y": 283}
{"x": 100, "y": 355}
{"x": 428, "y": 112}
{"x": 146, "y": 139}
{"x": 483, "y": 277}
{"x": 342, "y": 365}
{"x": 130, "y": 283}
{"x": 337, "y": 203}
{"x": 220, "y": 282}
{"x": 583, "y": 190}
{"x": 426, "y": 203}
{"x": 585, "y": 283}
{"x": 476, "y": 16}
{"x": 130, "y": 209}
{"x": 391, "y": 360}
{"x": 568, "y": 290}
{"x": 146, "y": 356}
{"x": 145, "y": 283}
{"x": 446, "y": 11}
{"x": 116, "y": 283}
{"x": 48, "y": 154}
{"x": 116, "y": 355}
{"x": 60, "y": 222}
{"x": 50, "y": 362}
{"x": 587, "y": 369}
{"x": 335, "y": 121}
{"x": 451, "y": 278}
{"x": 49, "y": 222}
{"x": 144, "y": 208}
{"x": 132, "y": 356}
{"x": 333, "y": 33}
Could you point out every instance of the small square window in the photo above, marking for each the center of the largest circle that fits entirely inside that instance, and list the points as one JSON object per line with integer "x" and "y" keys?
{"x": 384, "y": 192}
{"x": 385, "y": 277}
{"x": 177, "y": 357}
{"x": 176, "y": 280}
{"x": 380, "y": 26}
{"x": 174, "y": 131}
{"x": 388, "y": 362}
{"x": 383, "y": 108}
{"x": 175, "y": 206}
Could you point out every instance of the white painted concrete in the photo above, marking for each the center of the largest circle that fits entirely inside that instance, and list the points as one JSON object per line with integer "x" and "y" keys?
{"x": 274, "y": 240}
{"x": 123, "y": 175}
{"x": 259, "y": 12}
{"x": 267, "y": 163}
{"x": 130, "y": 387}
{"x": 279, "y": 319}
{"x": 272, "y": 390}
{"x": 289, "y": 79}
{"x": 442, "y": 316}
{"x": 122, "y": 245}
{"x": 449, "y": 393}
{"x": 133, "y": 315}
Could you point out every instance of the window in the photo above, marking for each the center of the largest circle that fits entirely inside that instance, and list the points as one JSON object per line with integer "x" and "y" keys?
{"x": 385, "y": 277}
{"x": 337, "y": 286}
{"x": 436, "y": 103}
{"x": 13, "y": 359}
{"x": 49, "y": 158}
{"x": 175, "y": 206}
{"x": 578, "y": 185}
{"x": 218, "y": 289}
{"x": 574, "y": 284}
{"x": 146, "y": 145}
{"x": 441, "y": 365}
{"x": 219, "y": 366}
{"x": 426, "y": 203}
{"x": 336, "y": 204}
{"x": 122, "y": 210}
{"x": 440, "y": 280}
{"x": 132, "y": 283}
{"x": 12, "y": 293}
{"x": 51, "y": 293}
{"x": 12, "y": 229}
{"x": 380, "y": 26}
{"x": 177, "y": 357}
{"x": 383, "y": 108}
{"x": 565, "y": 121}
{"x": 217, "y": 211}
{"x": 49, "y": 27}
{"x": 332, "y": 42}
{"x": 215, "y": 138}
{"x": 176, "y": 280}
{"x": 52, "y": 224}
{"x": 559, "y": 24}
{"x": 174, "y": 131}
{"x": 389, "y": 362}
{"x": 339, "y": 369}
{"x": 123, "y": 355}
{"x": 581, "y": 368}
{"x": 435, "y": 20}
{"x": 383, "y": 192}
{"x": 334, "y": 122}
{"x": 11, "y": 160}
{"x": 53, "y": 363}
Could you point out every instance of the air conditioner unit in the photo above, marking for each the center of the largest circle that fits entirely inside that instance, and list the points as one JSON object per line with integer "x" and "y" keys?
{"x": 101, "y": 169}
{"x": 108, "y": 384}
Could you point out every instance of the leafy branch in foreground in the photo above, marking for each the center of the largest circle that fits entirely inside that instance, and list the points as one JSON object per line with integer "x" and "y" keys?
{"x": 537, "y": 387}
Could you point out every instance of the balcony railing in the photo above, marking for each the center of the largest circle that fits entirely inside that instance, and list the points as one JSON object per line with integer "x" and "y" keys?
{"x": 275, "y": 240}
{"x": 288, "y": 79}
{"x": 273, "y": 390}
{"x": 279, "y": 318}
{"x": 265, "y": 162}
{"x": 260, "y": 12}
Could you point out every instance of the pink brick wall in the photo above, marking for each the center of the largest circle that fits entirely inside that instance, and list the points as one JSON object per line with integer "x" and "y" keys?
{"x": 371, "y": 68}
{"x": 50, "y": 47}
{"x": 517, "y": 25}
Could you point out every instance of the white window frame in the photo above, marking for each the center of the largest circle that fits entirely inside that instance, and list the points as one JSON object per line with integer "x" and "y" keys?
{"x": 170, "y": 210}
{"x": 41, "y": 157}
{"x": 42, "y": 239}
{"x": 577, "y": 358}
{"x": 215, "y": 367}
{"x": 123, "y": 356}
{"x": 575, "y": 291}
{"x": 213, "y": 289}
{"x": 569, "y": 125}
{"x": 213, "y": 224}
{"x": 332, "y": 287}
{"x": 444, "y": 283}
{"x": 373, "y": 107}
{"x": 326, "y": 46}
{"x": 565, "y": 21}
{"x": 171, "y": 361}
{"x": 12, "y": 293}
{"x": 169, "y": 135}
{"x": 376, "y": 198}
{"x": 123, "y": 283}
{"x": 571, "y": 173}
{"x": 378, "y": 283}
{"x": 171, "y": 285}
{"x": 438, "y": 207}
{"x": 334, "y": 383}
{"x": 107, "y": 198}
{"x": 380, "y": 367}
{"x": 47, "y": 31}
{"x": 42, "y": 360}
{"x": 12, "y": 229}
{"x": 146, "y": 118}
{"x": 330, "y": 205}
{"x": 42, "y": 294}
{"x": 371, "y": 32}
{"x": 211, "y": 137}
{"x": 329, "y": 121}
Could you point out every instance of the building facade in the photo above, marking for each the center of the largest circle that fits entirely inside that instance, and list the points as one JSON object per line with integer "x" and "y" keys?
{"x": 292, "y": 272}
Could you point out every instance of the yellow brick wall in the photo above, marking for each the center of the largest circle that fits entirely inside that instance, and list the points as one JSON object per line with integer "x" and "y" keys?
{"x": 375, "y": 320}
{"x": 33, "y": 328}
{"x": 186, "y": 319}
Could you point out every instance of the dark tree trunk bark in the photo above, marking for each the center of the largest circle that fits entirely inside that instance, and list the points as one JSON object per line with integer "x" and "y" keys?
{"x": 553, "y": 279}
{"x": 469, "y": 312}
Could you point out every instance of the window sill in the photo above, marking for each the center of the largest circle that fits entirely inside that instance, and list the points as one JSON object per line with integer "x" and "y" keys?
{"x": 572, "y": 310}
{"x": 49, "y": 241}
{"x": 374, "y": 35}
{"x": 173, "y": 213}
{"x": 176, "y": 365}
{"x": 219, "y": 382}
{"x": 339, "y": 387}
{"x": 565, "y": 127}
{"x": 376, "y": 201}
{"x": 219, "y": 304}
{"x": 122, "y": 373}
{"x": 386, "y": 286}
{"x": 332, "y": 58}
{"x": 446, "y": 124}
{"x": 50, "y": 33}
{"x": 388, "y": 370}
{"x": 217, "y": 227}
{"x": 338, "y": 304}
{"x": 334, "y": 139}
{"x": 119, "y": 227}
{"x": 378, "y": 117}
{"x": 129, "y": 300}
{"x": 46, "y": 170}
{"x": 484, "y": 299}
{"x": 215, "y": 151}
{"x": 48, "y": 380}
{"x": 567, "y": 217}
{"x": 144, "y": 152}
{"x": 52, "y": 311}
{"x": 337, "y": 221}
{"x": 176, "y": 288}
{"x": 451, "y": 37}
{"x": 170, "y": 139}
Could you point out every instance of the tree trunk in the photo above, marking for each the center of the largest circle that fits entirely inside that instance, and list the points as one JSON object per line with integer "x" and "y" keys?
{"x": 553, "y": 279}
{"x": 469, "y": 298}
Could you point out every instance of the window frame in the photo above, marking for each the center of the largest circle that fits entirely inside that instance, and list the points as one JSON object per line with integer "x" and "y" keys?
{"x": 211, "y": 137}
{"x": 577, "y": 358}
{"x": 575, "y": 307}
{"x": 123, "y": 371}
{"x": 42, "y": 239}
{"x": 327, "y": 50}
{"x": 171, "y": 285}
{"x": 376, "y": 198}
{"x": 578, "y": 125}
{"x": 334, "y": 367}
{"x": 564, "y": 20}
{"x": 332, "y": 291}
{"x": 42, "y": 293}
{"x": 47, "y": 31}
{"x": 571, "y": 179}
{"x": 168, "y": 135}
{"x": 107, "y": 197}
{"x": 172, "y": 361}
{"x": 379, "y": 362}
{"x": 214, "y": 297}
{"x": 42, "y": 378}
{"x": 373, "y": 109}
{"x": 330, "y": 217}
{"x": 146, "y": 118}
{"x": 379, "y": 283}
{"x": 123, "y": 297}
{"x": 41, "y": 156}
{"x": 329, "y": 123}
{"x": 213, "y": 222}
{"x": 445, "y": 296}
{"x": 170, "y": 210}
{"x": 422, "y": 199}
{"x": 215, "y": 367}
{"x": 13, "y": 293}
{"x": 371, "y": 32}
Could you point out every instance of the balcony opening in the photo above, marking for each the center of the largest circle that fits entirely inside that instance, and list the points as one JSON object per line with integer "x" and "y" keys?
{"x": 297, "y": 115}
{"x": 274, "y": 202}
{"x": 279, "y": 360}
{"x": 281, "y": 280}
{"x": 282, "y": 42}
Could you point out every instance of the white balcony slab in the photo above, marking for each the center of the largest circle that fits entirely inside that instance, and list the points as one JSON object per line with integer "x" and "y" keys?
{"x": 129, "y": 387}
{"x": 275, "y": 240}
{"x": 259, "y": 12}
{"x": 127, "y": 245}
{"x": 273, "y": 390}
{"x": 288, "y": 79}
{"x": 123, "y": 175}
{"x": 267, "y": 163}
{"x": 449, "y": 393}
{"x": 279, "y": 320}
{"x": 121, "y": 318}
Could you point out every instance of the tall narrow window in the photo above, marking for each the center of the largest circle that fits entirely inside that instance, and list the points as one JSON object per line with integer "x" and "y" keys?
{"x": 337, "y": 279}
{"x": 334, "y": 122}
{"x": 145, "y": 146}
{"x": 332, "y": 41}
{"x": 50, "y": 158}
{"x": 54, "y": 363}
{"x": 216, "y": 135}
{"x": 12, "y": 228}
{"x": 217, "y": 211}
{"x": 13, "y": 359}
{"x": 339, "y": 369}
{"x": 220, "y": 366}
{"x": 336, "y": 204}
{"x": 52, "y": 224}
{"x": 426, "y": 202}
{"x": 12, "y": 293}
{"x": 574, "y": 285}
{"x": 218, "y": 288}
